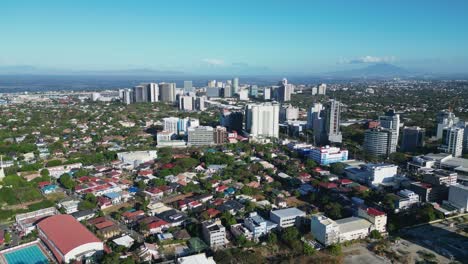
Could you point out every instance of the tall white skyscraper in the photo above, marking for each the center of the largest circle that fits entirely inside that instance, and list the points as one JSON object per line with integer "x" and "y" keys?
{"x": 444, "y": 119}
{"x": 228, "y": 91}
{"x": 325, "y": 121}
{"x": 267, "y": 93}
{"x": 126, "y": 95}
{"x": 153, "y": 92}
{"x": 391, "y": 121}
{"x": 289, "y": 113}
{"x": 453, "y": 140}
{"x": 211, "y": 84}
{"x": 187, "y": 102}
{"x": 262, "y": 120}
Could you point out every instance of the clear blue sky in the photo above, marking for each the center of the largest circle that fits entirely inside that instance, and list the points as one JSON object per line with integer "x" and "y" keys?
{"x": 201, "y": 36}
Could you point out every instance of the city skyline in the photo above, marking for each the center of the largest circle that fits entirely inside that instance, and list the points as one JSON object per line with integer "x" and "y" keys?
{"x": 239, "y": 38}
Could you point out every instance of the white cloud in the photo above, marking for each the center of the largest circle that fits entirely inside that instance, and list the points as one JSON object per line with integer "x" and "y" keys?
{"x": 215, "y": 62}
{"x": 368, "y": 59}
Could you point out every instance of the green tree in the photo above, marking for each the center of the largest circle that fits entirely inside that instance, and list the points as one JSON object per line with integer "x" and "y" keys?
{"x": 337, "y": 168}
{"x": 272, "y": 238}
{"x": 308, "y": 249}
{"x": 67, "y": 181}
{"x": 335, "y": 249}
{"x": 374, "y": 234}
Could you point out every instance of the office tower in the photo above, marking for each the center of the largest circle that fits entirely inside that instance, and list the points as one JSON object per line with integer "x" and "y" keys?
{"x": 322, "y": 89}
{"x": 220, "y": 85}
{"x": 243, "y": 94}
{"x": 232, "y": 120}
{"x": 267, "y": 93}
{"x": 445, "y": 118}
{"x": 200, "y": 136}
{"x": 313, "y": 113}
{"x": 212, "y": 92}
{"x": 253, "y": 91}
{"x": 452, "y": 140}
{"x": 167, "y": 92}
{"x": 333, "y": 121}
{"x": 211, "y": 84}
{"x": 284, "y": 91}
{"x": 220, "y": 135}
{"x": 126, "y": 96}
{"x": 314, "y": 90}
{"x": 153, "y": 92}
{"x": 262, "y": 120}
{"x": 171, "y": 124}
{"x": 140, "y": 94}
{"x": 465, "y": 139}
{"x": 200, "y": 103}
{"x": 289, "y": 113}
{"x": 235, "y": 85}
{"x": 377, "y": 141}
{"x": 228, "y": 91}
{"x": 188, "y": 87}
{"x": 187, "y": 103}
{"x": 413, "y": 138}
{"x": 391, "y": 121}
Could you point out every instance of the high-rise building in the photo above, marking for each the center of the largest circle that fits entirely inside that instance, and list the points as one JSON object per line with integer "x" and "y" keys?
{"x": 313, "y": 113}
{"x": 322, "y": 89}
{"x": 126, "y": 96}
{"x": 200, "y": 136}
{"x": 445, "y": 118}
{"x": 167, "y": 92}
{"x": 153, "y": 92}
{"x": 377, "y": 141}
{"x": 262, "y": 120}
{"x": 289, "y": 113}
{"x": 284, "y": 91}
{"x": 391, "y": 121}
{"x": 188, "y": 87}
{"x": 235, "y": 85}
{"x": 212, "y": 92}
{"x": 314, "y": 90}
{"x": 187, "y": 103}
{"x": 333, "y": 121}
{"x": 211, "y": 84}
{"x": 243, "y": 95}
{"x": 200, "y": 103}
{"x": 232, "y": 120}
{"x": 253, "y": 91}
{"x": 452, "y": 140}
{"x": 140, "y": 94}
{"x": 228, "y": 91}
{"x": 171, "y": 124}
{"x": 220, "y": 135}
{"x": 413, "y": 138}
{"x": 267, "y": 93}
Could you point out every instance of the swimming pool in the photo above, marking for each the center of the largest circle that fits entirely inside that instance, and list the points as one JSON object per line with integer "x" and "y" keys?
{"x": 27, "y": 255}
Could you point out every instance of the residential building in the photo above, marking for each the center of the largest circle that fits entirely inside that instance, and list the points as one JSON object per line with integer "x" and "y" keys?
{"x": 214, "y": 233}
{"x": 406, "y": 199}
{"x": 253, "y": 91}
{"x": 322, "y": 89}
{"x": 187, "y": 102}
{"x": 440, "y": 177}
{"x": 333, "y": 121}
{"x": 235, "y": 85}
{"x": 267, "y": 93}
{"x": 171, "y": 124}
{"x": 286, "y": 217}
{"x": 220, "y": 135}
{"x": 140, "y": 94}
{"x": 262, "y": 120}
{"x": 413, "y": 139}
{"x": 284, "y": 91}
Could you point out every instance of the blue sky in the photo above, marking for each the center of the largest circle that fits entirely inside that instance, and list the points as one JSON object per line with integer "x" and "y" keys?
{"x": 255, "y": 36}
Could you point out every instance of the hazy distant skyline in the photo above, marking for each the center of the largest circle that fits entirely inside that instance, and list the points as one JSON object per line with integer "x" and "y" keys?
{"x": 238, "y": 37}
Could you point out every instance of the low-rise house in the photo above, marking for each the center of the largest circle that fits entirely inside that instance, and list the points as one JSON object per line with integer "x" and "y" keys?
{"x": 84, "y": 215}
{"x": 69, "y": 206}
